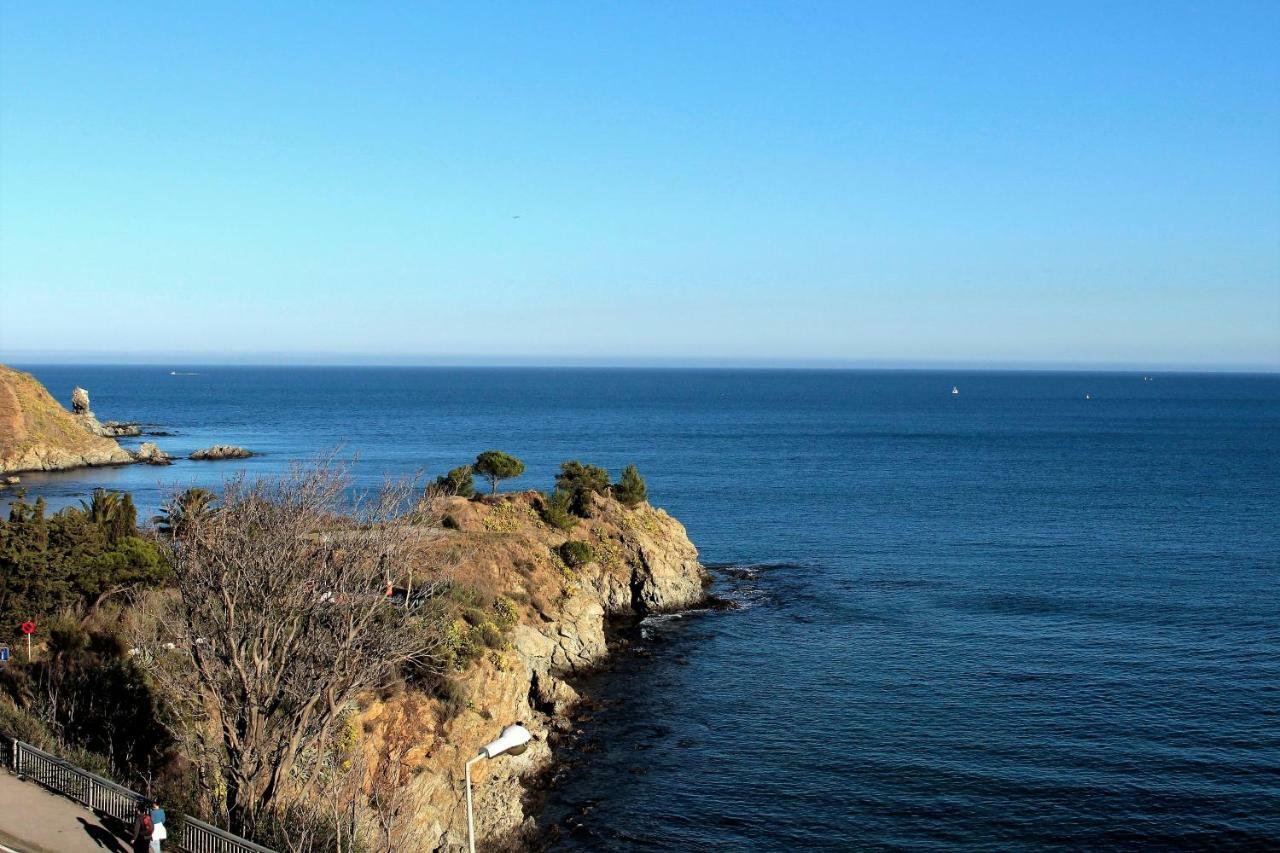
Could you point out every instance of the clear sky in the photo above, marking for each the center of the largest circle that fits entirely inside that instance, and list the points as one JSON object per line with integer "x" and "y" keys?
{"x": 1022, "y": 183}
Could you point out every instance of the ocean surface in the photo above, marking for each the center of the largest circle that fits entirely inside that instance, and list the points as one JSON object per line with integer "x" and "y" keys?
{"x": 1012, "y": 618}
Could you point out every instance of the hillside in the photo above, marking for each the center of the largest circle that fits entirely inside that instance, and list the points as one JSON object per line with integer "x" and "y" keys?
{"x": 37, "y": 434}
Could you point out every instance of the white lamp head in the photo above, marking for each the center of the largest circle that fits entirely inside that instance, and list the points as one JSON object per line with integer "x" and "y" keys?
{"x": 513, "y": 741}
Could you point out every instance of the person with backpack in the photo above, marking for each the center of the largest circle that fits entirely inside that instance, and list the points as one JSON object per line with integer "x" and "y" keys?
{"x": 143, "y": 827}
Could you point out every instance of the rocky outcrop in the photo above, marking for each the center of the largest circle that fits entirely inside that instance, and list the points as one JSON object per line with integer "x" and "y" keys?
{"x": 84, "y": 415}
{"x": 117, "y": 429}
{"x": 149, "y": 454}
{"x": 643, "y": 563}
{"x": 221, "y": 451}
{"x": 37, "y": 434}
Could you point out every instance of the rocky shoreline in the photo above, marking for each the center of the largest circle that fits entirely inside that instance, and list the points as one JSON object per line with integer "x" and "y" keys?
{"x": 37, "y": 434}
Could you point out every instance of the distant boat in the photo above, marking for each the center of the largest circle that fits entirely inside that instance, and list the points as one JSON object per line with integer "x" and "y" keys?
{"x": 955, "y": 390}
{"x": 1087, "y": 397}
{"x": 182, "y": 373}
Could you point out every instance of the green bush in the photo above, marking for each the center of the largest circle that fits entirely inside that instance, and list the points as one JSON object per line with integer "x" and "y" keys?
{"x": 556, "y": 510}
{"x": 577, "y": 553}
{"x": 491, "y": 635}
{"x": 72, "y": 559}
{"x": 631, "y": 490}
{"x": 459, "y": 481}
{"x": 580, "y": 481}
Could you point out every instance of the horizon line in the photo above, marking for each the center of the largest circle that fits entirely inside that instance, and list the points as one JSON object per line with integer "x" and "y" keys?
{"x": 320, "y": 359}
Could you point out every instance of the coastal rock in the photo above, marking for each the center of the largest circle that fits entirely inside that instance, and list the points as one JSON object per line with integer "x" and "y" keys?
{"x": 37, "y": 434}
{"x": 85, "y": 417}
{"x": 221, "y": 451}
{"x": 149, "y": 454}
{"x": 12, "y": 480}
{"x": 647, "y": 564}
{"x": 117, "y": 429}
{"x": 644, "y": 563}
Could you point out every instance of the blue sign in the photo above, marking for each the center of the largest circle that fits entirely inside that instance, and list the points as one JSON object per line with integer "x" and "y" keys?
{"x": 4, "y": 654}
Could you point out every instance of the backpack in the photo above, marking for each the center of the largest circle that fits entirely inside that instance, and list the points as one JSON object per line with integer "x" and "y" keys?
{"x": 147, "y": 826}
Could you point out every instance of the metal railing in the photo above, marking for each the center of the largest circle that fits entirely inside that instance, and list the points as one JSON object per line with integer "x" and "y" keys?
{"x": 106, "y": 797}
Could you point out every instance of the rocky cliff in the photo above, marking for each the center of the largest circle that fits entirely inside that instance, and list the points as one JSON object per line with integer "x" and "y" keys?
{"x": 554, "y": 619}
{"x": 37, "y": 434}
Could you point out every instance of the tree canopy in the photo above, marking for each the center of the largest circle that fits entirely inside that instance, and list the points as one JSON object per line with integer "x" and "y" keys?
{"x": 73, "y": 559}
{"x": 631, "y": 490}
{"x": 496, "y": 466}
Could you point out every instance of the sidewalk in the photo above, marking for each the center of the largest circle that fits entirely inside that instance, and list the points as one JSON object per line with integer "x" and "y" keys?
{"x": 33, "y": 820}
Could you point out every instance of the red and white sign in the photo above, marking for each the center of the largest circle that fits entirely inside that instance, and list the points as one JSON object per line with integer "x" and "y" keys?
{"x": 28, "y": 627}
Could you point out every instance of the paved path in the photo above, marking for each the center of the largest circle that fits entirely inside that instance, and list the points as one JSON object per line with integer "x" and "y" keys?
{"x": 33, "y": 820}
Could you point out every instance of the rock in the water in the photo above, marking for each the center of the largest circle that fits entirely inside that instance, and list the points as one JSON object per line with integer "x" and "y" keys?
{"x": 80, "y": 401}
{"x": 222, "y": 451}
{"x": 152, "y": 455}
{"x": 12, "y": 480}
{"x": 116, "y": 429}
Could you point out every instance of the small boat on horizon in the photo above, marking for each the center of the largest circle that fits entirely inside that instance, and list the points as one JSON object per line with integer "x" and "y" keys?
{"x": 955, "y": 390}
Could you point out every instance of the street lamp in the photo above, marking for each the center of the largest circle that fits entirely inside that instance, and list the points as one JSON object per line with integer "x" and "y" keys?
{"x": 513, "y": 741}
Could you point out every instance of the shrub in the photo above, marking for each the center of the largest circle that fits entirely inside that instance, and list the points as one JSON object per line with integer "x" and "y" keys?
{"x": 505, "y": 612}
{"x": 496, "y": 466}
{"x": 580, "y": 482}
{"x": 491, "y": 635}
{"x": 576, "y": 553}
{"x": 556, "y": 510}
{"x": 458, "y": 481}
{"x": 575, "y": 475}
{"x": 631, "y": 490}
{"x": 16, "y": 723}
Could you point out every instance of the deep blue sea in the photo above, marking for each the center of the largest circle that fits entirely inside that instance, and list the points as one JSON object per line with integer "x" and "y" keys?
{"x": 1013, "y": 618}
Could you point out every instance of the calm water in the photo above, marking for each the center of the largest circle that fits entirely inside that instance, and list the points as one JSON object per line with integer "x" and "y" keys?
{"x": 1013, "y": 618}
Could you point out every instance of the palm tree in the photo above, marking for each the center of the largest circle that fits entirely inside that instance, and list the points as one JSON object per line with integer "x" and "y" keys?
{"x": 178, "y": 515}
{"x": 113, "y": 512}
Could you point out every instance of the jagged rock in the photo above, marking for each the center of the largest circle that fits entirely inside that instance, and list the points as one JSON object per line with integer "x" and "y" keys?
{"x": 222, "y": 451}
{"x": 80, "y": 401}
{"x": 152, "y": 455}
{"x": 551, "y": 695}
{"x": 117, "y": 429}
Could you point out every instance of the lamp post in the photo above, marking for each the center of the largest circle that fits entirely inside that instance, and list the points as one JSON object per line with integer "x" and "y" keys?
{"x": 513, "y": 740}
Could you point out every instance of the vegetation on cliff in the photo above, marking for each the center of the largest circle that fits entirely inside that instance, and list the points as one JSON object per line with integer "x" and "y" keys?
{"x": 315, "y": 676}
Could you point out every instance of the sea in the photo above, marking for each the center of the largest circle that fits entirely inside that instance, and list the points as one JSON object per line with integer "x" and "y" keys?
{"x": 1039, "y": 611}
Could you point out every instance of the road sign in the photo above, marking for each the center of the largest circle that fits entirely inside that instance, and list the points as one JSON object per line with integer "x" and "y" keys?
{"x": 28, "y": 627}
{"x": 4, "y": 654}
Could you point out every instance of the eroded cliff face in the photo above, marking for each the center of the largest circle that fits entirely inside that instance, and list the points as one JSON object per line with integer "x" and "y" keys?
{"x": 37, "y": 434}
{"x": 644, "y": 563}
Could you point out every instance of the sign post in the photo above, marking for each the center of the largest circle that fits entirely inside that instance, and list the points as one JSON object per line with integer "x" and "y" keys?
{"x": 4, "y": 653}
{"x": 28, "y": 628}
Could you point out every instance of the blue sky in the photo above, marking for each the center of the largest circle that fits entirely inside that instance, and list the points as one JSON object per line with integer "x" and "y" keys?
{"x": 897, "y": 183}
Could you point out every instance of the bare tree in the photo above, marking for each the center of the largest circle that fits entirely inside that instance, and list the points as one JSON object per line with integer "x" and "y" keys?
{"x": 285, "y": 619}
